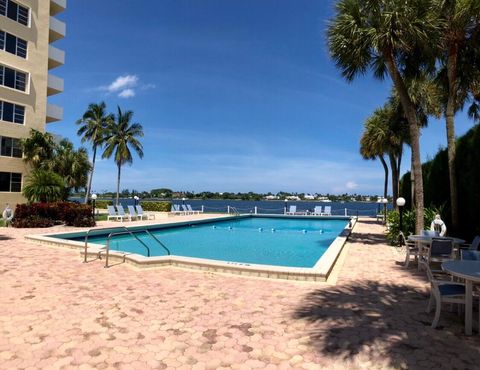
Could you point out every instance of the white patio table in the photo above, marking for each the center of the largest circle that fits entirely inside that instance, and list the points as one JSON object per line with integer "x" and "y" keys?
{"x": 426, "y": 240}
{"x": 470, "y": 271}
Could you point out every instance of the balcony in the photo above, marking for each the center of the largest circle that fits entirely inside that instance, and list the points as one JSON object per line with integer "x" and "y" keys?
{"x": 57, "y": 6}
{"x": 58, "y": 30}
{"x": 56, "y": 57}
{"x": 54, "y": 113}
{"x": 54, "y": 85}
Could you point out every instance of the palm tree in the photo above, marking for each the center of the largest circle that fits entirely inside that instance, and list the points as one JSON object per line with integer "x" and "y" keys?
{"x": 72, "y": 165}
{"x": 93, "y": 124}
{"x": 371, "y": 149}
{"x": 460, "y": 25}
{"x": 387, "y": 36}
{"x": 38, "y": 148}
{"x": 43, "y": 186}
{"x": 121, "y": 136}
{"x": 385, "y": 133}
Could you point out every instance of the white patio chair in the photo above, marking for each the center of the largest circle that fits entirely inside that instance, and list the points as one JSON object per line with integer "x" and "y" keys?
{"x": 442, "y": 291}
{"x": 411, "y": 249}
{"x": 317, "y": 211}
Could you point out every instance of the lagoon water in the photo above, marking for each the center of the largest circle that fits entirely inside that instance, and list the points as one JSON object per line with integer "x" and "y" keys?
{"x": 272, "y": 206}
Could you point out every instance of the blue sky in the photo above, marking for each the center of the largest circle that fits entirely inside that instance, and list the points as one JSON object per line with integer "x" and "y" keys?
{"x": 233, "y": 95}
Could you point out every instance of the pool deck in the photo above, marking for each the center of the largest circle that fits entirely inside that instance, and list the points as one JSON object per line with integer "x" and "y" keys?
{"x": 58, "y": 313}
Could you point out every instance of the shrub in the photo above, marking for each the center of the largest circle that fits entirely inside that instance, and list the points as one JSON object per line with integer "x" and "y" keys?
{"x": 44, "y": 186}
{"x": 47, "y": 214}
{"x": 32, "y": 222}
{"x": 157, "y": 206}
{"x": 103, "y": 203}
{"x": 408, "y": 222}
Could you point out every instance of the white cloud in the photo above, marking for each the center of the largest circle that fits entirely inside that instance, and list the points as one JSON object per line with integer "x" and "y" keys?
{"x": 126, "y": 86}
{"x": 122, "y": 83}
{"x": 351, "y": 185}
{"x": 127, "y": 93}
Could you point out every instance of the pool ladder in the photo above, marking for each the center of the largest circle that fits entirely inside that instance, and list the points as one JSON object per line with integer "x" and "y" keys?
{"x": 125, "y": 231}
{"x": 233, "y": 211}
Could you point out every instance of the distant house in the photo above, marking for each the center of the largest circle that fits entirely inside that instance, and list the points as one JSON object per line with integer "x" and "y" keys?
{"x": 271, "y": 197}
{"x": 293, "y": 197}
{"x": 309, "y": 197}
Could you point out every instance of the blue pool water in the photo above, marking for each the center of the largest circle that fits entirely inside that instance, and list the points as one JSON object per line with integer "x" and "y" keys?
{"x": 293, "y": 242}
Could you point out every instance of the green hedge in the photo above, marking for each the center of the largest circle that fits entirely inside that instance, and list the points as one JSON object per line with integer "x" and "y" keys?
{"x": 157, "y": 206}
{"x": 436, "y": 184}
{"x": 33, "y": 215}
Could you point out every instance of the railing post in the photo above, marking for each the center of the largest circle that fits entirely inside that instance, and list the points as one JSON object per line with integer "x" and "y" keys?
{"x": 346, "y": 212}
{"x": 203, "y": 208}
{"x": 228, "y": 209}
{"x": 255, "y": 209}
{"x": 107, "y": 249}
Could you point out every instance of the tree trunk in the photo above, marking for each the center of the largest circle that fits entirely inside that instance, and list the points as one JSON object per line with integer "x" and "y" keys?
{"x": 393, "y": 165}
{"x": 450, "y": 123}
{"x": 414, "y": 129}
{"x": 118, "y": 183}
{"x": 89, "y": 185}
{"x": 385, "y": 185}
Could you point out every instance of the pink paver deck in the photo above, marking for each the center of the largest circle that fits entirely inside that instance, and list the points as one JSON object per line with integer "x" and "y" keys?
{"x": 56, "y": 312}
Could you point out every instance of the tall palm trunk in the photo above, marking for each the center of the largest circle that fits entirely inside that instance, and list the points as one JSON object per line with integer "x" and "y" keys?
{"x": 385, "y": 185}
{"x": 450, "y": 123}
{"x": 118, "y": 183}
{"x": 89, "y": 186}
{"x": 395, "y": 176}
{"x": 414, "y": 129}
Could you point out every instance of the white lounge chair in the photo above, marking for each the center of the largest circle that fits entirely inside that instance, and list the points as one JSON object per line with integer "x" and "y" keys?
{"x": 132, "y": 213}
{"x": 121, "y": 212}
{"x": 185, "y": 210}
{"x": 327, "y": 211}
{"x": 141, "y": 214}
{"x": 112, "y": 214}
{"x": 176, "y": 210}
{"x": 291, "y": 210}
{"x": 317, "y": 211}
{"x": 191, "y": 210}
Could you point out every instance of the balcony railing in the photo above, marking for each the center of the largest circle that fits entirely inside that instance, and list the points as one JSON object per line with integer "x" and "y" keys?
{"x": 56, "y": 57}
{"x": 57, "y": 6}
{"x": 58, "y": 29}
{"x": 54, "y": 113}
{"x": 54, "y": 85}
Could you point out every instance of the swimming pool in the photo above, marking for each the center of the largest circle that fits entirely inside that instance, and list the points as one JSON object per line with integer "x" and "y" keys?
{"x": 290, "y": 247}
{"x": 253, "y": 240}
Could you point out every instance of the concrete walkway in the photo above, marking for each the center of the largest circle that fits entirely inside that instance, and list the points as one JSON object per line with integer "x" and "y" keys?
{"x": 56, "y": 312}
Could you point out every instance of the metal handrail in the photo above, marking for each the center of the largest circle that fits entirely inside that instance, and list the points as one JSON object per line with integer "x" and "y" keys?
{"x": 158, "y": 241}
{"x": 126, "y": 231}
{"x": 234, "y": 211}
{"x": 102, "y": 228}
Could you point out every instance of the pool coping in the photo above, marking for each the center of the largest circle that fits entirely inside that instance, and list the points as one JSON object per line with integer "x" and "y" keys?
{"x": 319, "y": 272}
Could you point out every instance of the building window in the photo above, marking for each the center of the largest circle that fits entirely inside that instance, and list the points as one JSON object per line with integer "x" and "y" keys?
{"x": 11, "y": 182}
{"x": 12, "y": 112}
{"x": 10, "y": 147}
{"x": 15, "y": 11}
{"x": 13, "y": 44}
{"x": 12, "y": 78}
